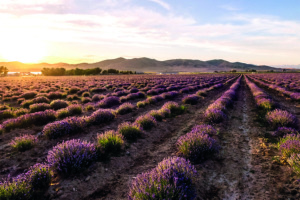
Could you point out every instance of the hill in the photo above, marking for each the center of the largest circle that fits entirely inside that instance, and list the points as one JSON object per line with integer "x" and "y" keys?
{"x": 143, "y": 65}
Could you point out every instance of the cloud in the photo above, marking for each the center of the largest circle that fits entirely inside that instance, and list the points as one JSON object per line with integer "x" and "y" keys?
{"x": 162, "y": 4}
{"x": 136, "y": 30}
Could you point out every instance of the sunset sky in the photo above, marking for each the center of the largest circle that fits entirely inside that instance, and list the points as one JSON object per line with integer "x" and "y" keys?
{"x": 259, "y": 32}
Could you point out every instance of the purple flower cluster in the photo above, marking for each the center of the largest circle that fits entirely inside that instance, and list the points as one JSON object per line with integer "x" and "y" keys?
{"x": 262, "y": 100}
{"x": 24, "y": 142}
{"x": 281, "y": 118}
{"x": 146, "y": 121}
{"x": 289, "y": 144}
{"x": 197, "y": 145}
{"x": 67, "y": 126}
{"x": 215, "y": 112}
{"x": 58, "y": 104}
{"x": 71, "y": 156}
{"x": 125, "y": 108}
{"x": 110, "y": 142}
{"x": 39, "y": 107}
{"x": 282, "y": 131}
{"x": 38, "y": 118}
{"x": 130, "y": 131}
{"x": 27, "y": 185}
{"x": 109, "y": 102}
{"x": 190, "y": 99}
{"x": 101, "y": 116}
{"x": 173, "y": 178}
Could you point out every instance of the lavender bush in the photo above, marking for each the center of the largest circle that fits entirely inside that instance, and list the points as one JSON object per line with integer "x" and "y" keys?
{"x": 67, "y": 126}
{"x": 289, "y": 144}
{"x": 146, "y": 121}
{"x": 24, "y": 142}
{"x": 101, "y": 116}
{"x": 125, "y": 108}
{"x": 214, "y": 116}
{"x": 282, "y": 131}
{"x": 130, "y": 131}
{"x": 109, "y": 102}
{"x": 281, "y": 118}
{"x": 58, "y": 104}
{"x": 173, "y": 178}
{"x": 197, "y": 145}
{"x": 39, "y": 107}
{"x": 71, "y": 156}
{"x": 110, "y": 142}
{"x": 190, "y": 99}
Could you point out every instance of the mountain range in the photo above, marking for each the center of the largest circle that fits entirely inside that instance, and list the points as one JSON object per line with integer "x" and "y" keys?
{"x": 143, "y": 65}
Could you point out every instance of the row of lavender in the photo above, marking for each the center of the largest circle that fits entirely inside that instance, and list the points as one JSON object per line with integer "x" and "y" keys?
{"x": 283, "y": 124}
{"x": 293, "y": 95}
{"x": 61, "y": 88}
{"x": 175, "y": 177}
{"x": 290, "y": 81}
{"x": 75, "y": 155}
{"x": 107, "y": 143}
{"x": 41, "y": 103}
{"x": 44, "y": 117}
{"x": 77, "y": 124}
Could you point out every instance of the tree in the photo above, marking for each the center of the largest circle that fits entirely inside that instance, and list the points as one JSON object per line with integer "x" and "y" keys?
{"x": 3, "y": 71}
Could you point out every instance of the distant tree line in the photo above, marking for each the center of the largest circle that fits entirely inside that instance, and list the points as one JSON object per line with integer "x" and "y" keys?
{"x": 3, "y": 71}
{"x": 78, "y": 71}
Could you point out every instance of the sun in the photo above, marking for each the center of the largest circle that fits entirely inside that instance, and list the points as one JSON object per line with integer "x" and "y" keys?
{"x": 23, "y": 50}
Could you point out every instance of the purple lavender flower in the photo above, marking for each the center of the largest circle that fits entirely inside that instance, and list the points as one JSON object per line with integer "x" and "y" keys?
{"x": 281, "y": 118}
{"x": 71, "y": 156}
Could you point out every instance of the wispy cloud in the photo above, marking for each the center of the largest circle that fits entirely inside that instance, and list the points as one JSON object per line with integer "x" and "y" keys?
{"x": 140, "y": 31}
{"x": 162, "y": 4}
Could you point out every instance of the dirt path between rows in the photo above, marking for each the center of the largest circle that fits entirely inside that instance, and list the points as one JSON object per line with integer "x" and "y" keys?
{"x": 237, "y": 173}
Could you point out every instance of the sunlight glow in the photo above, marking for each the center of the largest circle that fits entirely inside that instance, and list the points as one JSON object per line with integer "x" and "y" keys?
{"x": 23, "y": 49}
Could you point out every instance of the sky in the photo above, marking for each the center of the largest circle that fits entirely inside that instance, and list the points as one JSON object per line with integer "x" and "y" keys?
{"x": 259, "y": 32}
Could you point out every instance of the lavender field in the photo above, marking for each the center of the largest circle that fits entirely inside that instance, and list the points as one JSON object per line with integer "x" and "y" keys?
{"x": 202, "y": 136}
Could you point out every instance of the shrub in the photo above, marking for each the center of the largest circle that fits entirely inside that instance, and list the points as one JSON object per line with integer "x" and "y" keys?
{"x": 15, "y": 188}
{"x": 1, "y": 130}
{"x": 85, "y": 94}
{"x": 146, "y": 121}
{"x": 5, "y": 114}
{"x": 101, "y": 116}
{"x": 97, "y": 97}
{"x": 109, "y": 102}
{"x": 62, "y": 113}
{"x": 71, "y": 156}
{"x": 282, "y": 131}
{"x": 74, "y": 90}
{"x": 281, "y": 118}
{"x": 89, "y": 107}
{"x": 38, "y": 118}
{"x": 39, "y": 107}
{"x": 214, "y": 116}
{"x": 141, "y": 104}
{"x": 130, "y": 131}
{"x": 205, "y": 129}
{"x": 110, "y": 142}
{"x": 58, "y": 104}
{"x": 21, "y": 111}
{"x": 151, "y": 100}
{"x": 67, "y": 126}
{"x": 28, "y": 95}
{"x": 172, "y": 179}
{"x": 55, "y": 95}
{"x": 27, "y": 103}
{"x": 86, "y": 99}
{"x": 174, "y": 108}
{"x": 157, "y": 114}
{"x": 41, "y": 99}
{"x": 39, "y": 176}
{"x": 190, "y": 99}
{"x": 24, "y": 142}
{"x": 197, "y": 146}
{"x": 125, "y": 108}
{"x": 294, "y": 162}
{"x": 289, "y": 144}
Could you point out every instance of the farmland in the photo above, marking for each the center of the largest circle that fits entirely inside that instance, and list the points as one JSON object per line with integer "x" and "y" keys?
{"x": 204, "y": 136}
